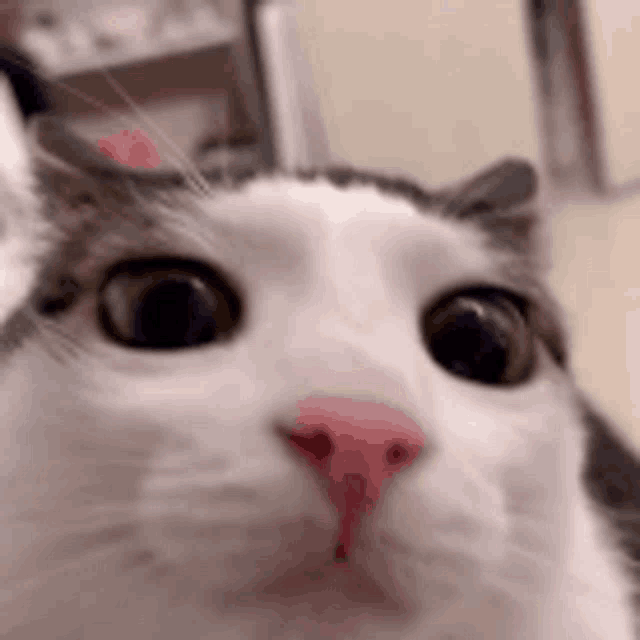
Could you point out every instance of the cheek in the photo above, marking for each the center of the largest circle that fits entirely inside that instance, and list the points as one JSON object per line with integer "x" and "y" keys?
{"x": 498, "y": 424}
{"x": 34, "y": 398}
{"x": 60, "y": 454}
{"x": 496, "y": 453}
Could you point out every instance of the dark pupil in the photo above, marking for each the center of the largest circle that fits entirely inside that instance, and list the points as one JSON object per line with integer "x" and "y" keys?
{"x": 472, "y": 348}
{"x": 167, "y": 303}
{"x": 174, "y": 314}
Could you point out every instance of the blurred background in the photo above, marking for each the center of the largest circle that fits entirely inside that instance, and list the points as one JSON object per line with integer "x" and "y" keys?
{"x": 434, "y": 88}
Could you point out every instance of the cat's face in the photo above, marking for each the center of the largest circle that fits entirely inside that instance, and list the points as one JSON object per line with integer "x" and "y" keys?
{"x": 295, "y": 409}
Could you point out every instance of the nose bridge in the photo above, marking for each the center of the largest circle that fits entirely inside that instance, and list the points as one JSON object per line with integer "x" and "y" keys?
{"x": 324, "y": 350}
{"x": 356, "y": 275}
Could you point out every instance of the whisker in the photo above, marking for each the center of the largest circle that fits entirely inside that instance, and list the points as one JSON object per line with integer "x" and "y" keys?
{"x": 192, "y": 177}
{"x": 59, "y": 350}
{"x": 225, "y": 148}
{"x": 90, "y": 100}
{"x": 198, "y": 184}
{"x": 62, "y": 345}
{"x": 194, "y": 173}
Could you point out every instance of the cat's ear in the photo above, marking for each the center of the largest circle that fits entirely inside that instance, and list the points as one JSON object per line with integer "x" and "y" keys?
{"x": 24, "y": 232}
{"x": 29, "y": 88}
{"x": 14, "y": 156}
{"x": 510, "y": 183}
{"x": 22, "y": 94}
{"x": 502, "y": 201}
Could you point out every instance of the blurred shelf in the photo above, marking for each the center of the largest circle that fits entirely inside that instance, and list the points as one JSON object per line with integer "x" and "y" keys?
{"x": 76, "y": 53}
{"x": 234, "y": 159}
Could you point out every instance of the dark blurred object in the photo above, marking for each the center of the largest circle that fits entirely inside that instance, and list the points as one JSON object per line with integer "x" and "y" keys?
{"x": 31, "y": 92}
{"x": 571, "y": 137}
{"x": 10, "y": 19}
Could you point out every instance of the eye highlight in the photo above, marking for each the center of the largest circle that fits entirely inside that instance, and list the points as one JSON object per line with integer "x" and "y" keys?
{"x": 167, "y": 303}
{"x": 481, "y": 334}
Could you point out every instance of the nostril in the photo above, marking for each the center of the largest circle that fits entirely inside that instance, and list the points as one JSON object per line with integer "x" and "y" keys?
{"x": 339, "y": 436}
{"x": 316, "y": 446}
{"x": 397, "y": 454}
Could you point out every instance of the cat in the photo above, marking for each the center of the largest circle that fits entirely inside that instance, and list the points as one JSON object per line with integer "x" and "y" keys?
{"x": 324, "y": 405}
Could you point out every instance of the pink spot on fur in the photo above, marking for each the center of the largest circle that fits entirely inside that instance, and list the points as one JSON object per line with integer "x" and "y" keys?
{"x": 131, "y": 149}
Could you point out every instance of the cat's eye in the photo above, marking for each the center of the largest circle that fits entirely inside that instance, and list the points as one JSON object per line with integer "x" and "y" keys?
{"x": 481, "y": 334}
{"x": 167, "y": 303}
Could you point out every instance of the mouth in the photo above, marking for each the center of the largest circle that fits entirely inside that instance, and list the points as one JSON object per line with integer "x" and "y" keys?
{"x": 313, "y": 577}
{"x": 335, "y": 589}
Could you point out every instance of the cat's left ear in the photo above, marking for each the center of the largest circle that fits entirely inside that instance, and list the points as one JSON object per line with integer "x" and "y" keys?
{"x": 501, "y": 200}
{"x": 510, "y": 183}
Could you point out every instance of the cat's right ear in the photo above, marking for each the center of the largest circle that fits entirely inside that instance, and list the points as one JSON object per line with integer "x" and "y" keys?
{"x": 14, "y": 156}
{"x": 30, "y": 89}
{"x": 22, "y": 95}
{"x": 25, "y": 234}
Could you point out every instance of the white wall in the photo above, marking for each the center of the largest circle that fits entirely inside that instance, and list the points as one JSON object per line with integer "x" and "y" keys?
{"x": 438, "y": 88}
{"x": 597, "y": 276}
{"x": 613, "y": 29}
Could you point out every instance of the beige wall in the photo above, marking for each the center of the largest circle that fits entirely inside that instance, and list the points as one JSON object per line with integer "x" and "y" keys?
{"x": 613, "y": 29}
{"x": 440, "y": 89}
{"x": 597, "y": 276}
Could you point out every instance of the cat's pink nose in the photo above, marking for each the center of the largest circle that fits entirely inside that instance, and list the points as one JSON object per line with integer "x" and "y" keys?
{"x": 358, "y": 447}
